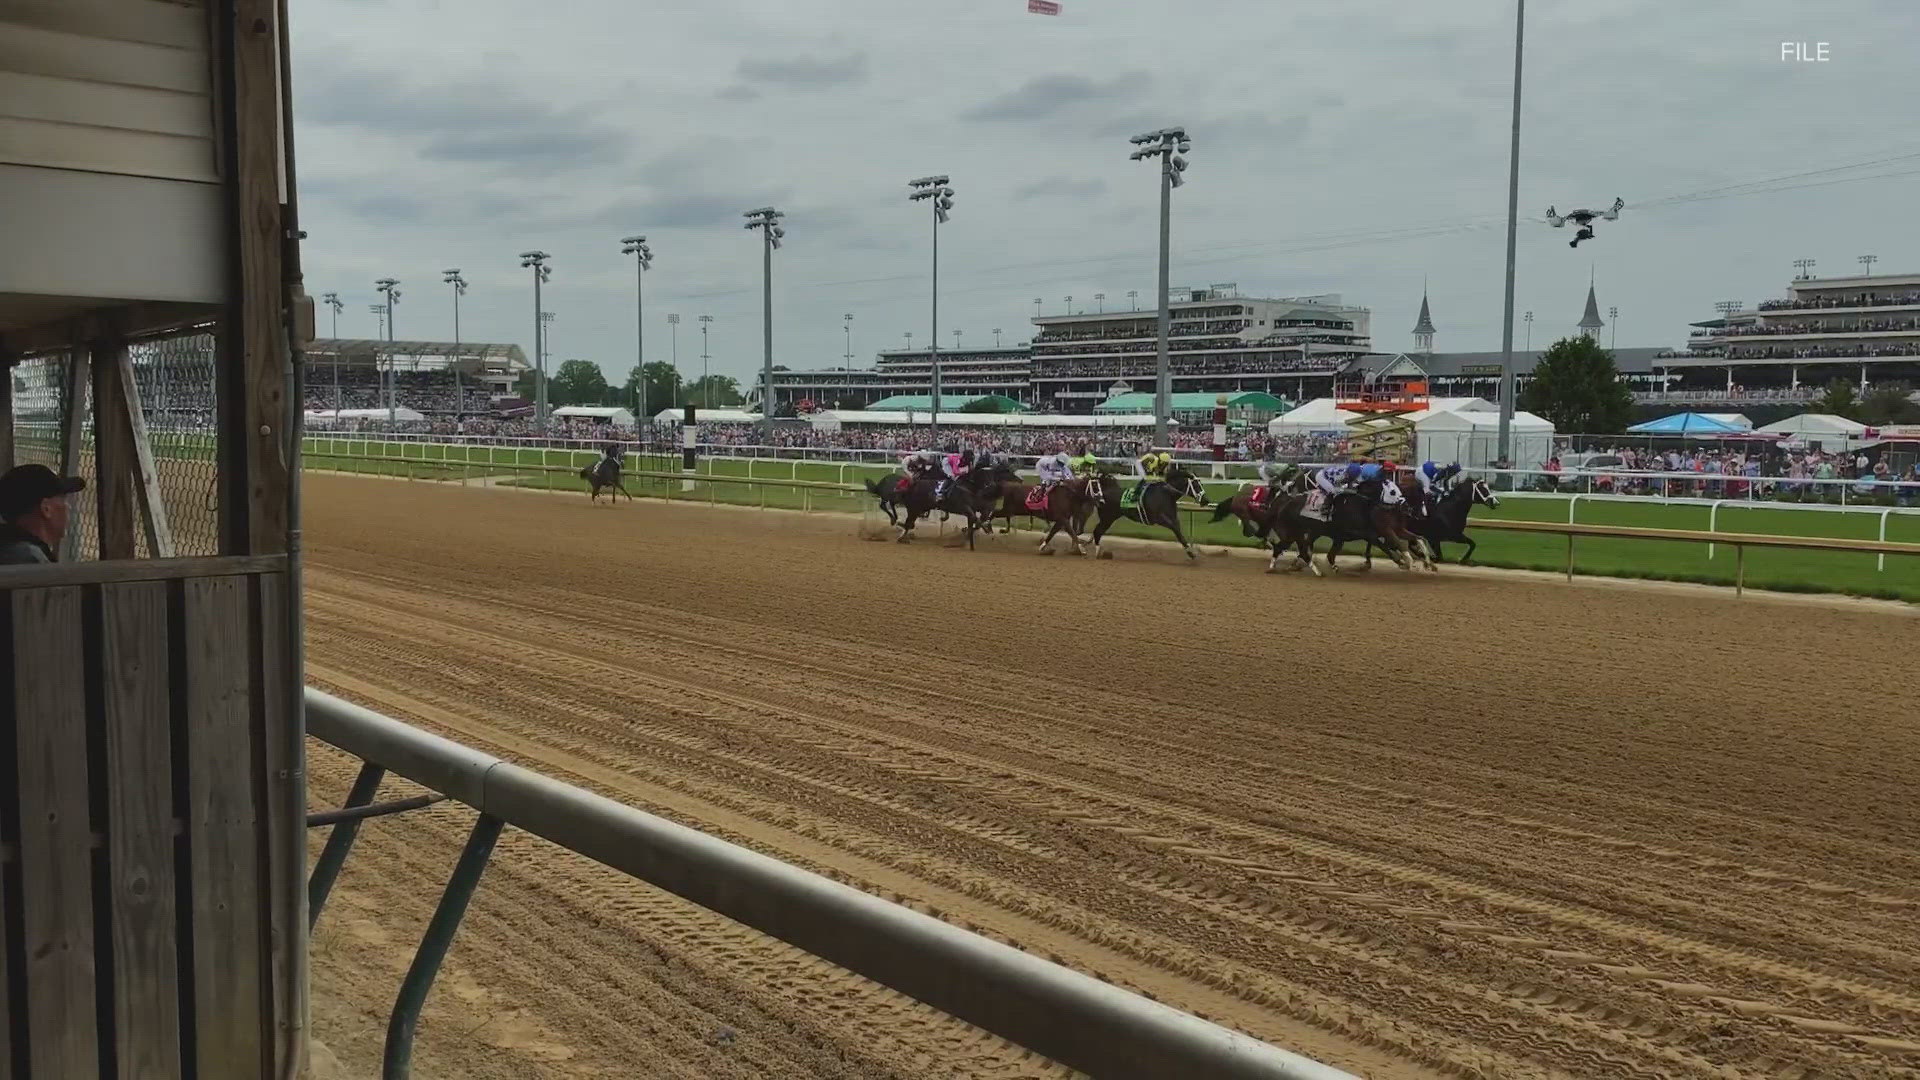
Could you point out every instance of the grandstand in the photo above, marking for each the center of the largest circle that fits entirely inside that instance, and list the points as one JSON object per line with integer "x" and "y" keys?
{"x": 965, "y": 373}
{"x": 453, "y": 379}
{"x": 1861, "y": 330}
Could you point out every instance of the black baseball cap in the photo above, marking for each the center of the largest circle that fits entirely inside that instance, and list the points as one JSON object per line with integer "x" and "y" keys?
{"x": 22, "y": 488}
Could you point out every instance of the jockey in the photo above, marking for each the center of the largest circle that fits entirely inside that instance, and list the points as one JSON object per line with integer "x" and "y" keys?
{"x": 1152, "y": 467}
{"x": 952, "y": 467}
{"x": 919, "y": 462}
{"x": 1274, "y": 473}
{"x": 1055, "y": 468}
{"x": 1083, "y": 463}
{"x": 1434, "y": 478}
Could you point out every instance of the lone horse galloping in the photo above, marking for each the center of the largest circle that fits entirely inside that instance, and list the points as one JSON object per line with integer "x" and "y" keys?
{"x": 605, "y": 473}
{"x": 1446, "y": 521}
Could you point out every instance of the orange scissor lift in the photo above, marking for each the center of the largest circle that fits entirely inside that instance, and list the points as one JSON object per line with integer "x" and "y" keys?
{"x": 1381, "y": 430}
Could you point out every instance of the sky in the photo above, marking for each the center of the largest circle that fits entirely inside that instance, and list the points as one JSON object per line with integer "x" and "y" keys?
{"x": 1358, "y": 148}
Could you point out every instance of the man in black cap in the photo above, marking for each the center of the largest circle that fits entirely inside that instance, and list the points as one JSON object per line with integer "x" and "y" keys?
{"x": 34, "y": 506}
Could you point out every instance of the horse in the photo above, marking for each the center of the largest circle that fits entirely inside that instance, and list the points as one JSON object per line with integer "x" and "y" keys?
{"x": 1064, "y": 507}
{"x": 1256, "y": 520}
{"x": 1350, "y": 516}
{"x": 605, "y": 473}
{"x": 1158, "y": 504}
{"x": 915, "y": 495}
{"x": 1447, "y": 520}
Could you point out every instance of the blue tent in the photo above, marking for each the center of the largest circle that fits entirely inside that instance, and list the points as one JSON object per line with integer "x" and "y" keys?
{"x": 1686, "y": 423}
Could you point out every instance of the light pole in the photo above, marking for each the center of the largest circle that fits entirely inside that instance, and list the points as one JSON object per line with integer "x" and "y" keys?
{"x": 1866, "y": 264}
{"x": 1513, "y": 232}
{"x": 1069, "y": 303}
{"x": 706, "y": 384}
{"x": 452, "y": 277}
{"x": 391, "y": 288}
{"x": 673, "y": 331}
{"x": 537, "y": 261}
{"x": 846, "y": 323}
{"x": 1805, "y": 268}
{"x": 934, "y": 190}
{"x": 1036, "y": 307}
{"x": 909, "y": 336}
{"x": 1133, "y": 299}
{"x": 956, "y": 339}
{"x": 996, "y": 337}
{"x": 1169, "y": 145}
{"x": 1613, "y": 334}
{"x": 767, "y": 220}
{"x": 332, "y": 300}
{"x": 1529, "y": 331}
{"x": 636, "y": 246}
{"x": 1100, "y": 302}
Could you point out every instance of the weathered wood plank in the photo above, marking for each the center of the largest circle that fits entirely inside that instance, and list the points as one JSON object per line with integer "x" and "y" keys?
{"x": 112, "y": 453}
{"x": 32, "y": 577}
{"x": 146, "y": 479}
{"x": 224, "y": 830}
{"x": 286, "y": 843}
{"x": 56, "y": 865}
{"x": 136, "y": 704}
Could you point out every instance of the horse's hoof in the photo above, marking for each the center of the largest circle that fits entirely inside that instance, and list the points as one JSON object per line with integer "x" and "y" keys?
{"x": 1103, "y": 555}
{"x": 1045, "y": 550}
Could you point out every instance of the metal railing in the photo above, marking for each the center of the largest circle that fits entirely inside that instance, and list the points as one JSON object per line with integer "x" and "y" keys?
{"x": 1071, "y": 1018}
{"x": 1740, "y": 542}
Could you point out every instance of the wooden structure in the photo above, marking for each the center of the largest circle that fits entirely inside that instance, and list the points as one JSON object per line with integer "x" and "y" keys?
{"x": 151, "y": 832}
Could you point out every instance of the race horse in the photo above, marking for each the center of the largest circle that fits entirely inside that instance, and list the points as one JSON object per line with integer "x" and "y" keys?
{"x": 1446, "y": 520}
{"x": 1064, "y": 507}
{"x": 1152, "y": 503}
{"x": 897, "y": 491}
{"x": 605, "y": 473}
{"x": 1255, "y": 504}
{"x": 1356, "y": 515}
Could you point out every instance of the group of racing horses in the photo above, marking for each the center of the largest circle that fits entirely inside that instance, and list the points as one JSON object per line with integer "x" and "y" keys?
{"x": 1285, "y": 516}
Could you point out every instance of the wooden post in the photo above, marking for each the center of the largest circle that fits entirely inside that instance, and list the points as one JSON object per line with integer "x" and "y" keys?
{"x": 112, "y": 451}
{"x": 146, "y": 479}
{"x": 73, "y": 420}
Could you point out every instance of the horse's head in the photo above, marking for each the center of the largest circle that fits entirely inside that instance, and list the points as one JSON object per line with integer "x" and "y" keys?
{"x": 1187, "y": 484}
{"x": 1483, "y": 494}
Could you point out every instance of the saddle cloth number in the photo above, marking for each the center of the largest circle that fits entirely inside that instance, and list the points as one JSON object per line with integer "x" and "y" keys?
{"x": 1316, "y": 505}
{"x": 1259, "y": 498}
{"x": 1130, "y": 498}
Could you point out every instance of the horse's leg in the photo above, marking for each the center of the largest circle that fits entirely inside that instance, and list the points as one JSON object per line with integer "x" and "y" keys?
{"x": 1467, "y": 559}
{"x": 1047, "y": 540}
{"x": 1100, "y": 529}
{"x": 1173, "y": 523}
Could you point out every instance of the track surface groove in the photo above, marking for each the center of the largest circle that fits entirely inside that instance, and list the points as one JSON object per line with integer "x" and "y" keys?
{"x": 1558, "y": 831}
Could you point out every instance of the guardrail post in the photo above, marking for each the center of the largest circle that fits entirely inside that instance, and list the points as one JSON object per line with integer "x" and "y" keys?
{"x": 1882, "y": 557}
{"x": 434, "y": 944}
{"x": 1713, "y": 518}
{"x": 326, "y": 869}
{"x": 1739, "y": 569}
{"x": 1569, "y": 558}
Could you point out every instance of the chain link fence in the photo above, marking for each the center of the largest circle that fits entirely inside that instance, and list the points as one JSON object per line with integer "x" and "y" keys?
{"x": 174, "y": 380}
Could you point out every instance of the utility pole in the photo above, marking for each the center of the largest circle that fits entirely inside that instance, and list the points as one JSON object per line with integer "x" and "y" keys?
{"x": 452, "y": 277}
{"x": 1169, "y": 145}
{"x": 1513, "y": 233}
{"x": 767, "y": 220}
{"x": 537, "y": 261}
{"x": 390, "y": 287}
{"x": 642, "y": 261}
{"x": 934, "y": 190}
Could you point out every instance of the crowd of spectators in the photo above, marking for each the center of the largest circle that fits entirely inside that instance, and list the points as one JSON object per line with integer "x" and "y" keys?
{"x": 1736, "y": 471}
{"x": 361, "y": 387}
{"x": 1243, "y": 363}
{"x": 1840, "y": 326}
{"x": 1846, "y": 300}
{"x": 1837, "y": 352}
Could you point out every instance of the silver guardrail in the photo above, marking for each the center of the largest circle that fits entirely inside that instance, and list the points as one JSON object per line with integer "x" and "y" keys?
{"x": 1071, "y": 1018}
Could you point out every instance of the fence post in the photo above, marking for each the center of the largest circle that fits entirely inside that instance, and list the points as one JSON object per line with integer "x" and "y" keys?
{"x": 433, "y": 945}
{"x": 1569, "y": 558}
{"x": 1713, "y": 519}
{"x": 1739, "y": 569}
{"x": 326, "y": 868}
{"x": 1882, "y": 557}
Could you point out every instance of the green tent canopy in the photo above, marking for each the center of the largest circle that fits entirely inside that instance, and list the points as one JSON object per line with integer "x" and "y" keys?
{"x": 1249, "y": 400}
{"x": 948, "y": 403}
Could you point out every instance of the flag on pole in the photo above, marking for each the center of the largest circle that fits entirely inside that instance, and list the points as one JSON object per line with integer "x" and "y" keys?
{"x": 1042, "y": 7}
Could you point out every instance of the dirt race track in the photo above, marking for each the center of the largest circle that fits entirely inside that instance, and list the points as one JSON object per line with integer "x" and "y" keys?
{"x": 1413, "y": 826}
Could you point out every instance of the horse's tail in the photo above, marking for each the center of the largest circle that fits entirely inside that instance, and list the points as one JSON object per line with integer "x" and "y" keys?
{"x": 1222, "y": 509}
{"x": 874, "y": 487}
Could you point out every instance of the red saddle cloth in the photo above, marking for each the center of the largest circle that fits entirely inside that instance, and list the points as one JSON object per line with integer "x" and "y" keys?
{"x": 1037, "y": 499}
{"x": 1259, "y": 497}
{"x": 906, "y": 483}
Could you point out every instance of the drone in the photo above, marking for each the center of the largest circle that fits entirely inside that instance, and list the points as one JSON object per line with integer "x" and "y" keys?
{"x": 1584, "y": 219}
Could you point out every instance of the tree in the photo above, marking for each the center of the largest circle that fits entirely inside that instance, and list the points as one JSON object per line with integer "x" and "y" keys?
{"x": 1888, "y": 403}
{"x": 578, "y": 382}
{"x": 1839, "y": 399}
{"x": 987, "y": 404}
{"x": 725, "y": 392}
{"x": 661, "y": 386}
{"x": 1576, "y": 387}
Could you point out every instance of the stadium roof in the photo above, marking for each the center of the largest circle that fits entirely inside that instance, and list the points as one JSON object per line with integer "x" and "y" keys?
{"x": 1191, "y": 402}
{"x": 364, "y": 350}
{"x": 948, "y": 403}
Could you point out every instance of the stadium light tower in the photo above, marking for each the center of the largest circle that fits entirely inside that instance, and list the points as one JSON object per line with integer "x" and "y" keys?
{"x": 1805, "y": 268}
{"x": 332, "y": 300}
{"x": 452, "y": 277}
{"x": 537, "y": 261}
{"x": 846, "y": 323}
{"x": 1069, "y": 303}
{"x": 1529, "y": 331}
{"x": 1513, "y": 235}
{"x": 1133, "y": 299}
{"x": 706, "y": 384}
{"x": 996, "y": 337}
{"x": 673, "y": 341}
{"x": 1100, "y": 303}
{"x": 767, "y": 220}
{"x": 1036, "y": 307}
{"x": 1170, "y": 145}
{"x": 636, "y": 246}
{"x": 391, "y": 288}
{"x": 1613, "y": 334}
{"x": 1866, "y": 264}
{"x": 934, "y": 190}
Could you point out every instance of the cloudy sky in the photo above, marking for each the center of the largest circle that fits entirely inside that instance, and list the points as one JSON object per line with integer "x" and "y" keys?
{"x": 1355, "y": 147}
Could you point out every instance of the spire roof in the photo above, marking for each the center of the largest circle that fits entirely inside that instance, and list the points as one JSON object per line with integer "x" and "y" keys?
{"x": 1591, "y": 320}
{"x": 1425, "y": 325}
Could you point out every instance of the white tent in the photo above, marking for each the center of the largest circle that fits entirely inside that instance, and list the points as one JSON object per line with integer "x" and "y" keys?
{"x": 707, "y": 416}
{"x": 835, "y": 419}
{"x": 1738, "y": 420}
{"x": 1320, "y": 417}
{"x": 1472, "y": 437}
{"x": 1830, "y": 431}
{"x": 616, "y": 417}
